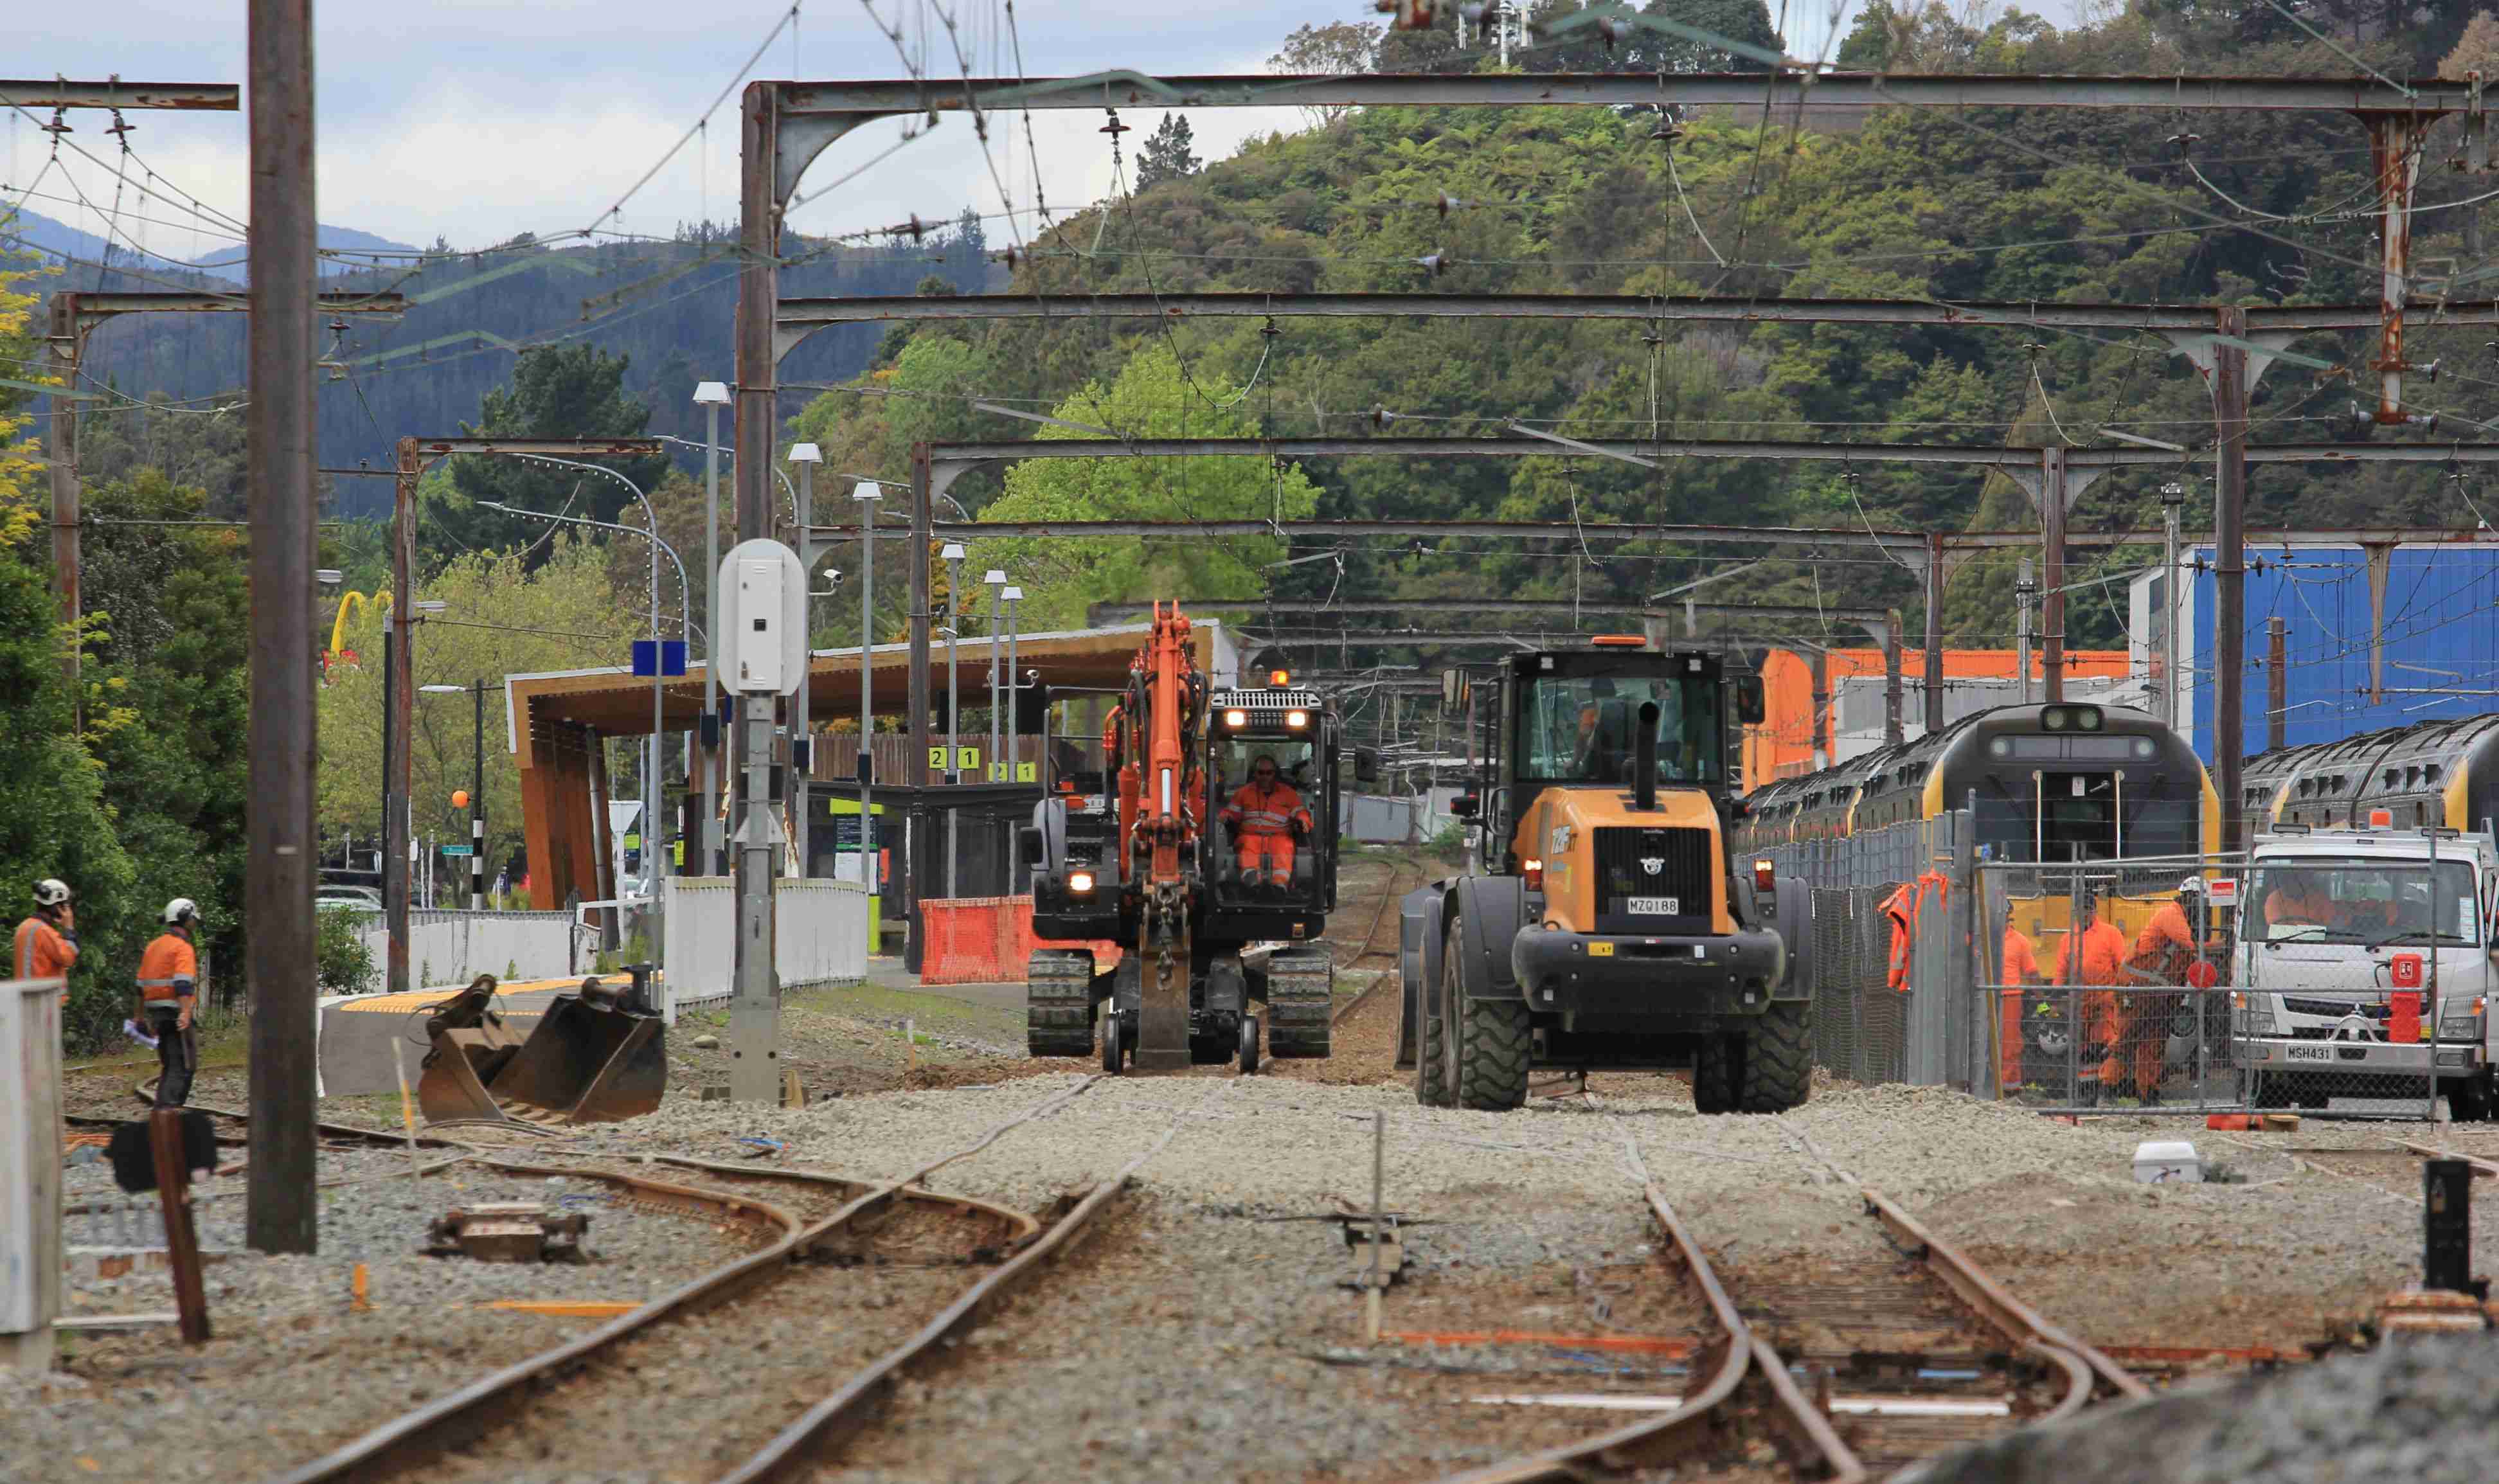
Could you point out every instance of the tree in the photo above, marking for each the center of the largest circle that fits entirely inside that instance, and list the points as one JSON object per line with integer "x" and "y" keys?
{"x": 1150, "y": 397}
{"x": 1340, "y": 49}
{"x": 1167, "y": 155}
{"x": 565, "y": 390}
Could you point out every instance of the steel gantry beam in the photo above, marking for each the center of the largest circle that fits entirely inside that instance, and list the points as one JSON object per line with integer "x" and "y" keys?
{"x": 798, "y": 318}
{"x": 115, "y": 93}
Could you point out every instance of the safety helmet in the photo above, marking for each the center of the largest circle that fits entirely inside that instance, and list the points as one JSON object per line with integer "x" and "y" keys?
{"x": 182, "y": 910}
{"x": 51, "y": 892}
{"x": 2193, "y": 885}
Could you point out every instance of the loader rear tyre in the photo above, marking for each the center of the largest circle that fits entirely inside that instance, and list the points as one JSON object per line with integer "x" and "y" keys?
{"x": 1716, "y": 1069}
{"x": 1058, "y": 1003}
{"x": 1777, "y": 1071}
{"x": 1432, "y": 1080}
{"x": 1495, "y": 1042}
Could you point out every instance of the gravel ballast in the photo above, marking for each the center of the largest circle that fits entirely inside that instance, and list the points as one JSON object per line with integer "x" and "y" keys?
{"x": 1194, "y": 1336}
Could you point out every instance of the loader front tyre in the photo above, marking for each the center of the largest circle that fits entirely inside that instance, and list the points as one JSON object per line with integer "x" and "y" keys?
{"x": 1777, "y": 1071}
{"x": 1494, "y": 1045}
{"x": 1716, "y": 1068}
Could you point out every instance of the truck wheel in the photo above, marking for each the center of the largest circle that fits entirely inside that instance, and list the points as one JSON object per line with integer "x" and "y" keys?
{"x": 1716, "y": 1068}
{"x": 1431, "y": 1029}
{"x": 1777, "y": 1073}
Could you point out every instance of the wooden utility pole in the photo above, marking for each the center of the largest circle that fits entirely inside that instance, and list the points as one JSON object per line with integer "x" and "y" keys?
{"x": 282, "y": 1214}
{"x": 2229, "y": 565}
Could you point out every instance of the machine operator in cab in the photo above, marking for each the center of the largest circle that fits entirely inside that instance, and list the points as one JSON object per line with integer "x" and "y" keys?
{"x": 1265, "y": 816}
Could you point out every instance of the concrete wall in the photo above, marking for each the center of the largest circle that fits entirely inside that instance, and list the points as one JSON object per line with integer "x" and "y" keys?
{"x": 819, "y": 935}
{"x": 453, "y": 948}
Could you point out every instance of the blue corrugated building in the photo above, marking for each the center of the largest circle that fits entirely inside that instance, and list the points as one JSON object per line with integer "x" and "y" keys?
{"x": 2373, "y": 637}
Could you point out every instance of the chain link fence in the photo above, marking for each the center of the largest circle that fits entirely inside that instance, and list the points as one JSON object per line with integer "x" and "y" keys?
{"x": 2349, "y": 986}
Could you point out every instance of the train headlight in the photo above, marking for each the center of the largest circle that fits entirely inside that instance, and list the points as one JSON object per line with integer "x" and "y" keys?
{"x": 2002, "y": 747}
{"x": 1297, "y": 718}
{"x": 2144, "y": 748}
{"x": 1236, "y": 719}
{"x": 1080, "y": 882}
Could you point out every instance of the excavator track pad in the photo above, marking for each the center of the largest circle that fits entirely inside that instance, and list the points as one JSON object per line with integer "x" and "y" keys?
{"x": 1058, "y": 1003}
{"x": 1301, "y": 994}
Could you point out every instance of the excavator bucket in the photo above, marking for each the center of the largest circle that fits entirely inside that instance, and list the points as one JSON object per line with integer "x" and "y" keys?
{"x": 590, "y": 1060}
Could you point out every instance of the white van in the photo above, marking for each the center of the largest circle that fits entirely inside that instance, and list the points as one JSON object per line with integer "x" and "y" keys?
{"x": 2335, "y": 925}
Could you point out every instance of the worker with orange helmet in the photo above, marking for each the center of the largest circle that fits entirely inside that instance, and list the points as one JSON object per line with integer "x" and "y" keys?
{"x": 1264, "y": 818}
{"x": 2164, "y": 954}
{"x": 46, "y": 943}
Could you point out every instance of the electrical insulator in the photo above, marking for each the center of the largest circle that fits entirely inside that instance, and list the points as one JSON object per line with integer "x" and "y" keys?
{"x": 1381, "y": 417}
{"x": 1610, "y": 31}
{"x": 1407, "y": 15}
{"x": 1434, "y": 261}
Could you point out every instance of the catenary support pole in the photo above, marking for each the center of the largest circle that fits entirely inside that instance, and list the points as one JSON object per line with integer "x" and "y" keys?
{"x": 709, "y": 834}
{"x": 477, "y": 808}
{"x": 802, "y": 703}
{"x": 2173, "y": 497}
{"x": 1894, "y": 731}
{"x": 755, "y": 1011}
{"x": 1934, "y": 657}
{"x": 2025, "y": 587}
{"x": 2229, "y": 565}
{"x": 280, "y": 1212}
{"x": 2052, "y": 569}
{"x": 866, "y": 495}
{"x": 2277, "y": 682}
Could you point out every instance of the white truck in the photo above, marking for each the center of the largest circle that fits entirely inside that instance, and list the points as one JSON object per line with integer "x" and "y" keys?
{"x": 2363, "y": 969}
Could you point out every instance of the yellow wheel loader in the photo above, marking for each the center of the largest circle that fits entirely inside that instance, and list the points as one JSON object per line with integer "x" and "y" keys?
{"x": 1607, "y": 928}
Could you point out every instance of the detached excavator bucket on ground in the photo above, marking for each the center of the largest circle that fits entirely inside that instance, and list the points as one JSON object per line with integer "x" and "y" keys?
{"x": 593, "y": 1059}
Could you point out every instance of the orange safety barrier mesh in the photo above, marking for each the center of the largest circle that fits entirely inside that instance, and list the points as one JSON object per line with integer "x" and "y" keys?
{"x": 976, "y": 940}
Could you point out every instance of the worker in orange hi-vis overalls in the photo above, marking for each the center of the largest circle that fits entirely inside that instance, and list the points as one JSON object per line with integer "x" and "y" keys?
{"x": 169, "y": 987}
{"x": 1264, "y": 818}
{"x": 2163, "y": 955}
{"x": 2102, "y": 966}
{"x": 2018, "y": 970}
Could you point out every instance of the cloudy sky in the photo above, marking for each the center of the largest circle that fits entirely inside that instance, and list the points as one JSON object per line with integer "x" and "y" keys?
{"x": 475, "y": 119}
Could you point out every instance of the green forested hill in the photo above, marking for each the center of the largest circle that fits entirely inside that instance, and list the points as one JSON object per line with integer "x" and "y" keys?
{"x": 2051, "y": 206}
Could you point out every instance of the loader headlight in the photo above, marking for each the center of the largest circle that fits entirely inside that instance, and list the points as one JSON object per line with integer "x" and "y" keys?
{"x": 1080, "y": 882}
{"x": 1531, "y": 871}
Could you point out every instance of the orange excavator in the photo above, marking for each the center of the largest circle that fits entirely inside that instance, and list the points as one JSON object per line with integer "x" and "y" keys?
{"x": 1209, "y": 858}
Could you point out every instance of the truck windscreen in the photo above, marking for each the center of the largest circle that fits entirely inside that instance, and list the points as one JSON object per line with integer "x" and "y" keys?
{"x": 2315, "y": 900}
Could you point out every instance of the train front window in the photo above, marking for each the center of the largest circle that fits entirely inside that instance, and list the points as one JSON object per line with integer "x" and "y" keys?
{"x": 1581, "y": 728}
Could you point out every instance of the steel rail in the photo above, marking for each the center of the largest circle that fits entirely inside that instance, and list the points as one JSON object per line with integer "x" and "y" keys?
{"x": 144, "y": 1092}
{"x": 1992, "y": 1302}
{"x": 798, "y": 1447}
{"x": 2482, "y": 1169}
{"x": 1652, "y": 1439}
{"x": 419, "y": 1436}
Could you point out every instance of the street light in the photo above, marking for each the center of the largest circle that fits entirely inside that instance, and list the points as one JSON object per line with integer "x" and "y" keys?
{"x": 953, "y": 555}
{"x": 477, "y": 794}
{"x": 711, "y": 396}
{"x": 802, "y": 756}
{"x": 867, "y": 492}
{"x": 1015, "y": 686}
{"x": 995, "y": 580}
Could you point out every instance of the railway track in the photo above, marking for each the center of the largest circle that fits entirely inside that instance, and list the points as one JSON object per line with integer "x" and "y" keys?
{"x": 849, "y": 1285}
{"x": 1853, "y": 1370}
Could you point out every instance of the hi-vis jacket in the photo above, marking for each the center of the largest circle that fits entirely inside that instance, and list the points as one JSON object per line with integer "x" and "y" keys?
{"x": 168, "y": 970}
{"x": 1270, "y": 811}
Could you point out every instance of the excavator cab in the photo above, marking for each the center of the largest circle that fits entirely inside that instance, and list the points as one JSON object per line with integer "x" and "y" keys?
{"x": 1271, "y": 794}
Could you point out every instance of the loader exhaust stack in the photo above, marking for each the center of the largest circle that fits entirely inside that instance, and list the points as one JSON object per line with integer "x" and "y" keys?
{"x": 1645, "y": 759}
